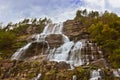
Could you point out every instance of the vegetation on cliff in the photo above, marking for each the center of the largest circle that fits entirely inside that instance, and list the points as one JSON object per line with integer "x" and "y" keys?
{"x": 14, "y": 36}
{"x": 104, "y": 29}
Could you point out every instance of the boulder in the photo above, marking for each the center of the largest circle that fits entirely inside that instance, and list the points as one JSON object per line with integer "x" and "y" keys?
{"x": 54, "y": 40}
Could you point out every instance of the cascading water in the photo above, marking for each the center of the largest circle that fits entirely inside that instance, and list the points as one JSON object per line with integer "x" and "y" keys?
{"x": 61, "y": 53}
{"x": 17, "y": 54}
{"x": 69, "y": 52}
{"x": 74, "y": 77}
{"x": 75, "y": 55}
{"x": 116, "y": 73}
{"x": 95, "y": 75}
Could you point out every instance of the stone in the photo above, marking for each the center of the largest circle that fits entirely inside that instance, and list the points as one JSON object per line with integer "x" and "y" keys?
{"x": 36, "y": 48}
{"x": 100, "y": 63}
{"x": 54, "y": 40}
{"x": 75, "y": 31}
{"x": 63, "y": 65}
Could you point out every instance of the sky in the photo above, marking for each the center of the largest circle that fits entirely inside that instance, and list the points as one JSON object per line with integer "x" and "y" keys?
{"x": 57, "y": 10}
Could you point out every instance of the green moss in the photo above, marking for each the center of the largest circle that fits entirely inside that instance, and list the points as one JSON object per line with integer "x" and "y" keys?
{"x": 30, "y": 76}
{"x": 83, "y": 74}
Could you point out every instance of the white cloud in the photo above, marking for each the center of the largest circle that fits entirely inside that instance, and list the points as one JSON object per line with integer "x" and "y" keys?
{"x": 57, "y": 10}
{"x": 114, "y": 3}
{"x": 95, "y": 2}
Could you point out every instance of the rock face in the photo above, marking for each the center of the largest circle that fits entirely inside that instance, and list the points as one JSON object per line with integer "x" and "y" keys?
{"x": 100, "y": 63}
{"x": 92, "y": 51}
{"x": 36, "y": 48}
{"x": 32, "y": 29}
{"x": 75, "y": 31}
{"x": 82, "y": 50}
{"x": 54, "y": 40}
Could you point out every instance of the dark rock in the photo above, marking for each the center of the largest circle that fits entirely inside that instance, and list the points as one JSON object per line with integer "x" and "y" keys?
{"x": 63, "y": 65}
{"x": 36, "y": 48}
{"x": 54, "y": 40}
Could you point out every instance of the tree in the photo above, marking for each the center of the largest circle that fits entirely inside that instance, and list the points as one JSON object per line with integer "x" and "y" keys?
{"x": 95, "y": 29}
{"x": 110, "y": 45}
{"x": 34, "y": 21}
{"x": 25, "y": 21}
{"x": 109, "y": 33}
{"x": 115, "y": 58}
{"x": 78, "y": 15}
{"x": 84, "y": 12}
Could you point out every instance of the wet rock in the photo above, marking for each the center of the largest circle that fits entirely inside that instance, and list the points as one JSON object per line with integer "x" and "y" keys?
{"x": 54, "y": 40}
{"x": 36, "y": 48}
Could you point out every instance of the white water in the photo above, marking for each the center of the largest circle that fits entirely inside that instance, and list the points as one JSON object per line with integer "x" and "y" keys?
{"x": 19, "y": 52}
{"x": 38, "y": 77}
{"x": 74, "y": 77}
{"x": 116, "y": 73}
{"x": 95, "y": 75}
{"x": 49, "y": 29}
{"x": 75, "y": 55}
{"x": 69, "y": 52}
{"x": 61, "y": 53}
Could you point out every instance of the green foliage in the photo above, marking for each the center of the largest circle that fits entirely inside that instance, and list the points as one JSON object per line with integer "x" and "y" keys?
{"x": 21, "y": 29}
{"x": 106, "y": 32}
{"x": 110, "y": 45}
{"x": 115, "y": 58}
{"x": 11, "y": 40}
{"x": 6, "y": 39}
{"x": 31, "y": 75}
{"x": 83, "y": 74}
{"x": 104, "y": 29}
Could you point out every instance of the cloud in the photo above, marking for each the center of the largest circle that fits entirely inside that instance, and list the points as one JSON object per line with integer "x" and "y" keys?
{"x": 57, "y": 10}
{"x": 114, "y": 4}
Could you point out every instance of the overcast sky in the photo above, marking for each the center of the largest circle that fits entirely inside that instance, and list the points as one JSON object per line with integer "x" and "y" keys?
{"x": 57, "y": 10}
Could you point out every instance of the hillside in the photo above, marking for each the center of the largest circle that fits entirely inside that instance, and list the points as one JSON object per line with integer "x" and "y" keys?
{"x": 85, "y": 48}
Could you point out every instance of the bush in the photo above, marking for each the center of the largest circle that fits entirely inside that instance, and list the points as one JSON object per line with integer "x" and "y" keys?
{"x": 115, "y": 58}
{"x": 6, "y": 39}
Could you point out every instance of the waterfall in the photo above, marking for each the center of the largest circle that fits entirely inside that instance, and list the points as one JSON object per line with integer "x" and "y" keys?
{"x": 19, "y": 52}
{"x": 65, "y": 38}
{"x": 74, "y": 77}
{"x": 75, "y": 55}
{"x": 95, "y": 75}
{"x": 49, "y": 29}
{"x": 69, "y": 52}
{"x": 116, "y": 73}
{"x": 61, "y": 53}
